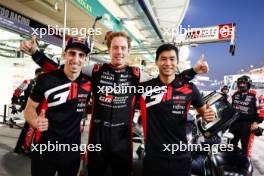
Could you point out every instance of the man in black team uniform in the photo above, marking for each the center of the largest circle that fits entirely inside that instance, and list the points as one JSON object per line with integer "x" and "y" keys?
{"x": 112, "y": 113}
{"x": 245, "y": 102}
{"x": 62, "y": 96}
{"x": 26, "y": 87}
{"x": 164, "y": 114}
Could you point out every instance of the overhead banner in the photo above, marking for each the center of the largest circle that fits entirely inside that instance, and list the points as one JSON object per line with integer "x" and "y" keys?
{"x": 23, "y": 25}
{"x": 95, "y": 8}
{"x": 224, "y": 32}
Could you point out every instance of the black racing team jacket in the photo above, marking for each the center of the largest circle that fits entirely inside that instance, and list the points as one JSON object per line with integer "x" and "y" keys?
{"x": 246, "y": 103}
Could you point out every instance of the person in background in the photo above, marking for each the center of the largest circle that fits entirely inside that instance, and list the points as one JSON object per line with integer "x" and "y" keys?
{"x": 245, "y": 102}
{"x": 225, "y": 90}
{"x": 261, "y": 106}
{"x": 26, "y": 87}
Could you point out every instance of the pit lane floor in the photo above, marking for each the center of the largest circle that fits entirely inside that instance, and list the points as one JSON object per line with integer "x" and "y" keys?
{"x": 12, "y": 164}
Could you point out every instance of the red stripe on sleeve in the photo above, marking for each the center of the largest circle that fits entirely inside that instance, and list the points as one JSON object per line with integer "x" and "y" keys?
{"x": 131, "y": 125}
{"x": 143, "y": 109}
{"x": 90, "y": 127}
{"x": 49, "y": 67}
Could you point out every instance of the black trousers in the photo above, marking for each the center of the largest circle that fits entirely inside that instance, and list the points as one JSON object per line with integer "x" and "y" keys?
{"x": 21, "y": 138}
{"x": 115, "y": 152}
{"x": 47, "y": 164}
{"x": 118, "y": 163}
{"x": 64, "y": 161}
{"x": 241, "y": 131}
{"x": 167, "y": 167}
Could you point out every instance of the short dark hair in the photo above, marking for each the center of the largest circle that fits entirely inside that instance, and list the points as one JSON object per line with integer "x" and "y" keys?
{"x": 167, "y": 47}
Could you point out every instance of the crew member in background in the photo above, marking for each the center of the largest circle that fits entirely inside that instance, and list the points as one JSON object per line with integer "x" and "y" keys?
{"x": 261, "y": 106}
{"x": 225, "y": 90}
{"x": 246, "y": 103}
{"x": 25, "y": 87}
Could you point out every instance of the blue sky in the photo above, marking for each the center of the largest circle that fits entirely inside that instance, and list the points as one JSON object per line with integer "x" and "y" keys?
{"x": 249, "y": 18}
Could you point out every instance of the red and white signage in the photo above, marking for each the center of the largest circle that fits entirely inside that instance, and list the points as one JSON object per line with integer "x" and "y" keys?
{"x": 224, "y": 32}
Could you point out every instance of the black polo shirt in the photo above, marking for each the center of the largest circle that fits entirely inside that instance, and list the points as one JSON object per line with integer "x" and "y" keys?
{"x": 65, "y": 103}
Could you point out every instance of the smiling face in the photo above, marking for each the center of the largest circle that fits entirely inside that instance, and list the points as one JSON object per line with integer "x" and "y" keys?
{"x": 119, "y": 51}
{"x": 167, "y": 63}
{"x": 74, "y": 60}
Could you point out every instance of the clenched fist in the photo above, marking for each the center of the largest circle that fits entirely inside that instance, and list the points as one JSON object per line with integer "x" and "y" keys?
{"x": 209, "y": 114}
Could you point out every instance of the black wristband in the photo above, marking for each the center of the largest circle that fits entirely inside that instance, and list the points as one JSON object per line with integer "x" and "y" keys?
{"x": 189, "y": 74}
{"x": 37, "y": 56}
{"x": 193, "y": 72}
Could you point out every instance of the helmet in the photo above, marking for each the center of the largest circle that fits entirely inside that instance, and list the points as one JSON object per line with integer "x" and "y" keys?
{"x": 246, "y": 80}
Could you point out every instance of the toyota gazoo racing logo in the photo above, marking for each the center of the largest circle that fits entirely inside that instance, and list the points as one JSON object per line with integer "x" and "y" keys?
{"x": 106, "y": 99}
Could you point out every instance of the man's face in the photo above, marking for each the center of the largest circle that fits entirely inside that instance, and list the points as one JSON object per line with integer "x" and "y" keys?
{"x": 242, "y": 87}
{"x": 167, "y": 63}
{"x": 74, "y": 59}
{"x": 225, "y": 91}
{"x": 119, "y": 51}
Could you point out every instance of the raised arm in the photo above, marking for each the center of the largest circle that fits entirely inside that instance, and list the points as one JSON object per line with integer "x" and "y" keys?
{"x": 30, "y": 48}
{"x": 44, "y": 62}
{"x": 200, "y": 67}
